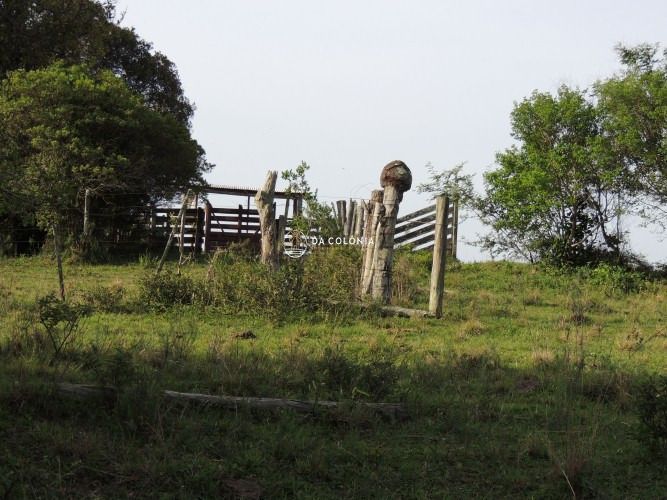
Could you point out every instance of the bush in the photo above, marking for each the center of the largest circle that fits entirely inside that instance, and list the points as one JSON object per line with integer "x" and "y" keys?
{"x": 105, "y": 298}
{"x": 615, "y": 279}
{"x": 61, "y": 321}
{"x": 652, "y": 408}
{"x": 167, "y": 289}
{"x": 319, "y": 282}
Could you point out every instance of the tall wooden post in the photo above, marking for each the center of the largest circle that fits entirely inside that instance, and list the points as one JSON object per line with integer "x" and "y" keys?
{"x": 439, "y": 256}
{"x": 282, "y": 225}
{"x": 376, "y": 206}
{"x": 172, "y": 233}
{"x": 86, "y": 215}
{"x": 57, "y": 243}
{"x": 265, "y": 206}
{"x": 194, "y": 246}
{"x": 396, "y": 178}
{"x": 349, "y": 219}
{"x": 207, "y": 226}
{"x": 359, "y": 219}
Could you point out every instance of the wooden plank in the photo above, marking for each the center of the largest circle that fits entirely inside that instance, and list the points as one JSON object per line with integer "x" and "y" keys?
{"x": 413, "y": 234}
{"x": 417, "y": 213}
{"x": 230, "y": 218}
{"x": 406, "y": 226}
{"x": 235, "y": 211}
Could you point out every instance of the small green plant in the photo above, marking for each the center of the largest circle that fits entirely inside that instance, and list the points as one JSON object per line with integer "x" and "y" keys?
{"x": 61, "y": 320}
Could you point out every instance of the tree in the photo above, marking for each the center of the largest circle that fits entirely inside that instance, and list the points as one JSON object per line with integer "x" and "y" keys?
{"x": 67, "y": 129}
{"x": 555, "y": 194}
{"x": 34, "y": 34}
{"x": 316, "y": 215}
{"x": 633, "y": 108}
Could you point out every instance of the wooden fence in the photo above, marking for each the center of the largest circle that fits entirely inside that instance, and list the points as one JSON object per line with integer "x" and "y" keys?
{"x": 417, "y": 229}
{"x": 207, "y": 228}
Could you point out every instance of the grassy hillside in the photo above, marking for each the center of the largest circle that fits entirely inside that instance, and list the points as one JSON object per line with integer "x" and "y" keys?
{"x": 528, "y": 387}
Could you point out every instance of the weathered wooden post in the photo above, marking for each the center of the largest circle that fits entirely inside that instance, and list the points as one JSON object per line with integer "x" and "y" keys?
{"x": 265, "y": 207}
{"x": 349, "y": 219}
{"x": 439, "y": 256}
{"x": 86, "y": 216}
{"x": 171, "y": 234}
{"x": 359, "y": 219}
{"x": 282, "y": 225}
{"x": 396, "y": 178}
{"x": 207, "y": 226}
{"x": 375, "y": 212}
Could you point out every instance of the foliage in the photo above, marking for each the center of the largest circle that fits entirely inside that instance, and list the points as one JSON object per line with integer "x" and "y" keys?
{"x": 321, "y": 281}
{"x": 316, "y": 215}
{"x": 652, "y": 407}
{"x": 633, "y": 106}
{"x": 67, "y": 129}
{"x": 616, "y": 279}
{"x": 35, "y": 34}
{"x": 166, "y": 289}
{"x": 61, "y": 320}
{"x": 450, "y": 182}
{"x": 554, "y": 196}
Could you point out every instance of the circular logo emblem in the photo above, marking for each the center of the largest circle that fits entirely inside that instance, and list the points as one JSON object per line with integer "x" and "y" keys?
{"x": 296, "y": 243}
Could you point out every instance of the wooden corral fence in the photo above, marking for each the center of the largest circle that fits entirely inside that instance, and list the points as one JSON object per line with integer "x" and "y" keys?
{"x": 416, "y": 229}
{"x": 208, "y": 228}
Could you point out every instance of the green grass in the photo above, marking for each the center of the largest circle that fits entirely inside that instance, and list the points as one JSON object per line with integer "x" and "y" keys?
{"x": 524, "y": 389}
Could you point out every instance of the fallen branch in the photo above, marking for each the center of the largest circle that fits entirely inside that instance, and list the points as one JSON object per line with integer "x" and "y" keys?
{"x": 392, "y": 410}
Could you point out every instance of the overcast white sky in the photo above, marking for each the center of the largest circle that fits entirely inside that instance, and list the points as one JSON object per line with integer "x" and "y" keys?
{"x": 348, "y": 86}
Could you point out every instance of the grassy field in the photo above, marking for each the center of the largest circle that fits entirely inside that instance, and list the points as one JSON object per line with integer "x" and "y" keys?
{"x": 526, "y": 388}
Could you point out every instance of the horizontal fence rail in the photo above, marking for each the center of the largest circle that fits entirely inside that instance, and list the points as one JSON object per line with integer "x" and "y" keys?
{"x": 417, "y": 229}
{"x": 207, "y": 228}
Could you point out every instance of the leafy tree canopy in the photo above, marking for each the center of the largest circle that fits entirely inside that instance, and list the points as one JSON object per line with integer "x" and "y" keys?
{"x": 65, "y": 129}
{"x": 633, "y": 106}
{"x": 36, "y": 33}
{"x": 554, "y": 193}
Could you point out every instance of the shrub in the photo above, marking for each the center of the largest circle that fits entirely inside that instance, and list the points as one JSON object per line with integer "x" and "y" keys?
{"x": 615, "y": 279}
{"x": 105, "y": 298}
{"x": 166, "y": 289}
{"x": 61, "y": 321}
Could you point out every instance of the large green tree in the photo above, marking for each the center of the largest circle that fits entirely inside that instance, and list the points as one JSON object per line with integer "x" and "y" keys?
{"x": 36, "y": 33}
{"x": 68, "y": 129}
{"x": 555, "y": 193}
{"x": 633, "y": 107}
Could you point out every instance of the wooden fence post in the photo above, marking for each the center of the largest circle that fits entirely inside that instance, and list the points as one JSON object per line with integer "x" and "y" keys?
{"x": 359, "y": 219}
{"x": 267, "y": 219}
{"x": 396, "y": 178}
{"x": 349, "y": 219}
{"x": 282, "y": 224}
{"x": 207, "y": 226}
{"x": 439, "y": 256}
{"x": 86, "y": 216}
{"x": 376, "y": 206}
{"x": 172, "y": 233}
